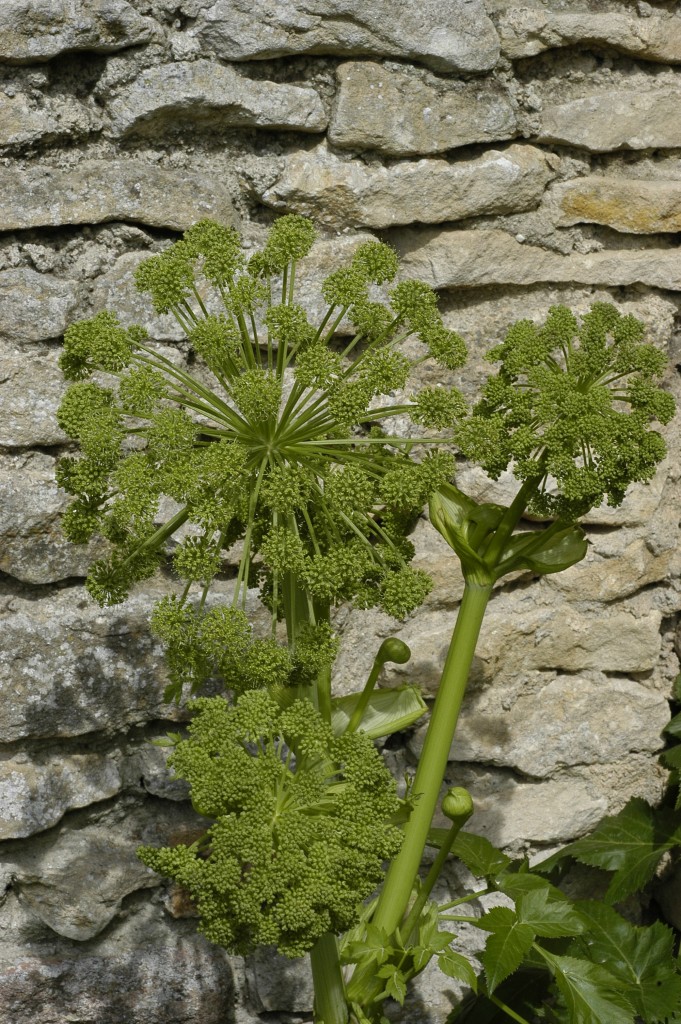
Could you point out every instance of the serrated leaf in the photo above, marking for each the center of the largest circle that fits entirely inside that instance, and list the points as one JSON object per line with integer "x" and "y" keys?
{"x": 630, "y": 844}
{"x": 421, "y": 956}
{"x": 395, "y": 986}
{"x": 672, "y": 757}
{"x": 516, "y": 883}
{"x": 641, "y": 957}
{"x": 388, "y": 711}
{"x": 550, "y": 919}
{"x": 674, "y": 727}
{"x": 507, "y": 945}
{"x": 375, "y": 945}
{"x": 479, "y": 855}
{"x": 591, "y": 994}
{"x": 454, "y": 965}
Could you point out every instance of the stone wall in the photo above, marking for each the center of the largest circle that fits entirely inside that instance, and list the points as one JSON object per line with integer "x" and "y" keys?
{"x": 517, "y": 154}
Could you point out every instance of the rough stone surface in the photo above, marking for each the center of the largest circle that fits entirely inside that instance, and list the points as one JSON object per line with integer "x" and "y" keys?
{"x": 32, "y": 546}
{"x": 454, "y": 259}
{"x": 94, "y": 191}
{"x": 459, "y": 37}
{"x": 25, "y": 122}
{"x": 211, "y": 95}
{"x": 70, "y": 667}
{"x": 338, "y": 191}
{"x": 641, "y": 207}
{"x": 31, "y": 390}
{"x": 399, "y": 114}
{"x": 525, "y": 32}
{"x": 278, "y": 983}
{"x": 34, "y": 795}
{"x": 615, "y": 119}
{"x": 33, "y": 306}
{"x": 38, "y": 30}
{"x": 569, "y": 721}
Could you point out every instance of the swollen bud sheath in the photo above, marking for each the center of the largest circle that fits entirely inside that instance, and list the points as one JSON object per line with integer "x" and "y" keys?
{"x": 393, "y": 650}
{"x": 457, "y": 805}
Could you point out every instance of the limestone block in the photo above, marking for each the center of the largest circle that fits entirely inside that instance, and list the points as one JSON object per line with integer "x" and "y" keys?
{"x": 511, "y": 813}
{"x": 278, "y": 983}
{"x": 447, "y": 258}
{"x": 32, "y": 546}
{"x": 615, "y": 119}
{"x": 400, "y": 114}
{"x": 69, "y": 667}
{"x": 208, "y": 94}
{"x": 115, "y": 290}
{"x": 612, "y": 577}
{"x": 520, "y": 635}
{"x": 458, "y": 37}
{"x": 94, "y": 191}
{"x": 571, "y": 720}
{"x": 24, "y": 123}
{"x": 33, "y": 306}
{"x": 31, "y": 389}
{"x": 143, "y": 970}
{"x": 625, "y": 204}
{"x": 75, "y": 880}
{"x": 35, "y": 794}
{"x": 345, "y": 192}
{"x": 37, "y": 30}
{"x": 525, "y": 32}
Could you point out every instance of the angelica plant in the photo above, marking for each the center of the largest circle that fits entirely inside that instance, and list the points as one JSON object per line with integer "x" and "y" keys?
{"x": 284, "y": 451}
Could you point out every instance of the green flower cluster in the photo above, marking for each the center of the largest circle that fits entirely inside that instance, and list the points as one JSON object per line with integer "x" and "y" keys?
{"x": 281, "y": 451}
{"x": 570, "y": 407}
{"x": 302, "y": 823}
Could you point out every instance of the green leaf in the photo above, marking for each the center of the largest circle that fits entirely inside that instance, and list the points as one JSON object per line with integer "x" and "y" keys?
{"x": 454, "y": 965}
{"x": 592, "y": 994}
{"x": 672, "y": 757}
{"x": 558, "y": 552}
{"x": 551, "y": 919}
{"x": 630, "y": 843}
{"x": 477, "y": 853}
{"x": 374, "y": 946}
{"x": 396, "y": 986}
{"x": 507, "y": 945}
{"x": 516, "y": 883}
{"x": 674, "y": 727}
{"x": 460, "y": 519}
{"x": 388, "y": 711}
{"x": 642, "y": 958}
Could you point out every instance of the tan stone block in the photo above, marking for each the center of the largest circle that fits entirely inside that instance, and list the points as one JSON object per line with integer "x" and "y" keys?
{"x": 344, "y": 192}
{"x": 616, "y": 119}
{"x": 403, "y": 114}
{"x": 628, "y": 205}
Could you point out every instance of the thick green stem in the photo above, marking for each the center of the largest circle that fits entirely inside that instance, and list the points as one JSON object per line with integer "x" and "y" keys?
{"x": 330, "y": 1004}
{"x": 399, "y": 880}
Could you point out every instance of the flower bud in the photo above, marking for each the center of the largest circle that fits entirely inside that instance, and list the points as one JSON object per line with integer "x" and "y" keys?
{"x": 394, "y": 650}
{"x": 457, "y": 805}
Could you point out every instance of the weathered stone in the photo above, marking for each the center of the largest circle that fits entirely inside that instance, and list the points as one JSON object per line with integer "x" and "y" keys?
{"x": 612, "y": 577}
{"x": 462, "y": 259}
{"x": 75, "y": 880}
{"x": 521, "y": 635}
{"x": 337, "y": 191}
{"x": 569, "y": 721}
{"x": 615, "y": 119}
{"x": 101, "y": 190}
{"x": 32, "y": 546}
{"x": 23, "y": 123}
{"x": 32, "y": 388}
{"x": 33, "y": 306}
{"x": 115, "y": 290}
{"x": 69, "y": 667}
{"x": 209, "y": 95}
{"x": 511, "y": 813}
{"x": 525, "y": 32}
{"x": 400, "y": 114}
{"x": 37, "y": 30}
{"x": 142, "y": 970}
{"x": 279, "y": 983}
{"x": 459, "y": 37}
{"x": 34, "y": 795}
{"x": 626, "y": 204}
